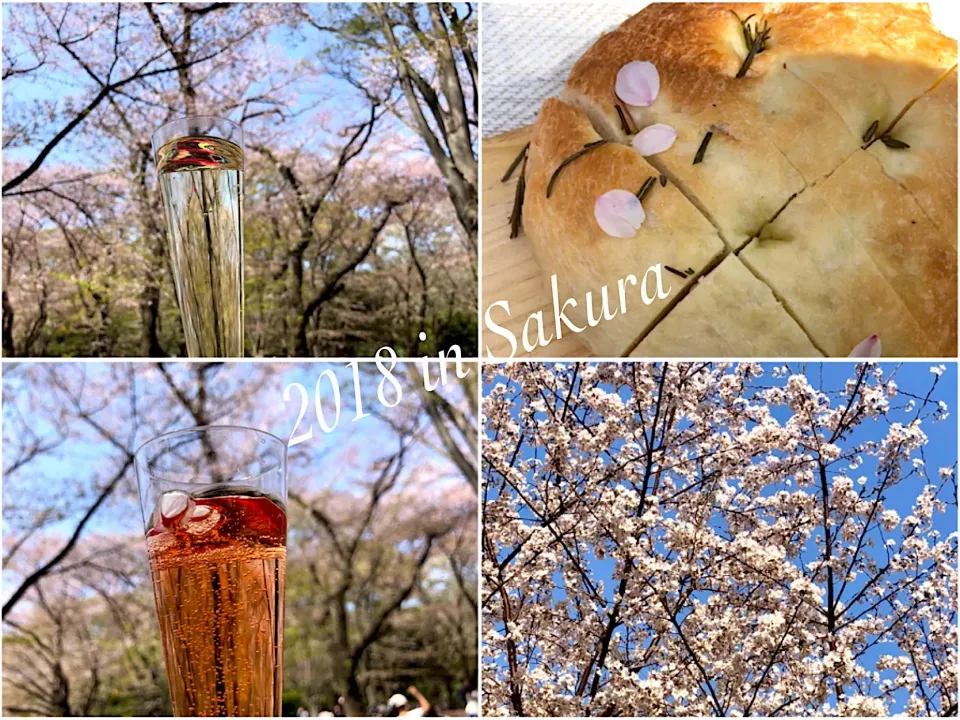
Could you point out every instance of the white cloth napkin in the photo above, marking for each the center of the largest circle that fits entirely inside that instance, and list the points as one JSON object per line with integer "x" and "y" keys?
{"x": 527, "y": 51}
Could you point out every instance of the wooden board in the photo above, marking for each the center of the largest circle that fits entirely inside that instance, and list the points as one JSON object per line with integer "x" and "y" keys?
{"x": 510, "y": 271}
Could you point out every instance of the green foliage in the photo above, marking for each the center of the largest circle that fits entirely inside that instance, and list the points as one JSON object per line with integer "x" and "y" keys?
{"x": 66, "y": 341}
{"x": 291, "y": 702}
{"x": 361, "y": 26}
{"x": 133, "y": 701}
{"x": 459, "y": 328}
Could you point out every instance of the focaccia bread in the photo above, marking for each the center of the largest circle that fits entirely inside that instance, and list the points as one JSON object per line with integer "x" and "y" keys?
{"x": 846, "y": 273}
{"x": 705, "y": 323}
{"x": 929, "y": 169}
{"x": 673, "y": 234}
{"x": 828, "y": 166}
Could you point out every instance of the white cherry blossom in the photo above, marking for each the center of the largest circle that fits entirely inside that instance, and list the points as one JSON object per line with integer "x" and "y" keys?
{"x": 707, "y": 539}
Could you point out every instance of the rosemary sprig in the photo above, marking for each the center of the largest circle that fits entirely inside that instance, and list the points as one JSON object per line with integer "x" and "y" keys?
{"x": 582, "y": 151}
{"x": 870, "y": 137}
{"x": 675, "y": 271}
{"x": 682, "y": 273}
{"x": 625, "y": 124}
{"x": 516, "y": 216}
{"x": 750, "y": 34}
{"x": 647, "y": 184}
{"x": 516, "y": 161}
{"x": 763, "y": 35}
{"x": 663, "y": 181}
{"x": 746, "y": 29}
{"x": 893, "y": 143}
{"x": 748, "y": 60}
{"x": 701, "y": 151}
{"x": 756, "y": 39}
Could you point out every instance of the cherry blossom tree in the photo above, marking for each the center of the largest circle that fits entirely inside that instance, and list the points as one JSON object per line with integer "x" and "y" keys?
{"x": 351, "y": 239}
{"x": 420, "y": 62}
{"x": 716, "y": 539}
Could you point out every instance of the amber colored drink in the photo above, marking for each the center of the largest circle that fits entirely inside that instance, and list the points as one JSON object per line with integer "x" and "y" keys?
{"x": 218, "y": 561}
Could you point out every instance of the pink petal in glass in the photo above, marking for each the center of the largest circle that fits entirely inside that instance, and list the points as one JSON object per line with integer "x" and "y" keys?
{"x": 619, "y": 213}
{"x": 869, "y": 348}
{"x": 638, "y": 83}
{"x": 654, "y": 139}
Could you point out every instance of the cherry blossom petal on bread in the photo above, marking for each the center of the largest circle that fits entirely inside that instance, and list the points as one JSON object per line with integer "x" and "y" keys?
{"x": 654, "y": 139}
{"x": 869, "y": 348}
{"x": 619, "y": 213}
{"x": 638, "y": 83}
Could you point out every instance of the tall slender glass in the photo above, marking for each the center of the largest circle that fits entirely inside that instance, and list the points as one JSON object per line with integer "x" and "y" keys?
{"x": 200, "y": 169}
{"x": 213, "y": 502}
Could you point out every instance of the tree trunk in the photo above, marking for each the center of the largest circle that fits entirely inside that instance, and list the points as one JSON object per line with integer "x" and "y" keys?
{"x": 60, "y": 698}
{"x": 150, "y": 317}
{"x": 8, "y": 347}
{"x": 297, "y": 341}
{"x": 100, "y": 320}
{"x": 460, "y": 165}
{"x": 154, "y": 252}
{"x": 353, "y": 696}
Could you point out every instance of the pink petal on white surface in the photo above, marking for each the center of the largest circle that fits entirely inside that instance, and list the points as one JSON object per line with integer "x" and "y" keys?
{"x": 619, "y": 213}
{"x": 869, "y": 348}
{"x": 638, "y": 83}
{"x": 654, "y": 139}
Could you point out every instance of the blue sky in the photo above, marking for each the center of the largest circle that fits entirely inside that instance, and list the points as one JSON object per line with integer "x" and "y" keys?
{"x": 941, "y": 451}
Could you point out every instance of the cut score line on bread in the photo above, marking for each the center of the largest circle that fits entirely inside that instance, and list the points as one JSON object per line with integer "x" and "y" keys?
{"x": 778, "y": 133}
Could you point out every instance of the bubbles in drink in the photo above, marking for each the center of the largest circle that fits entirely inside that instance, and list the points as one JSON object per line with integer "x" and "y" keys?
{"x": 203, "y": 520}
{"x": 218, "y": 560}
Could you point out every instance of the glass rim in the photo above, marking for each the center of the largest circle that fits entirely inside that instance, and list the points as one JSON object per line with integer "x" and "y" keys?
{"x": 234, "y": 125}
{"x": 198, "y": 428}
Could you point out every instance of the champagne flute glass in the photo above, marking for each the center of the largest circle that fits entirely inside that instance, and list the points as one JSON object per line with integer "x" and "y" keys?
{"x": 200, "y": 170}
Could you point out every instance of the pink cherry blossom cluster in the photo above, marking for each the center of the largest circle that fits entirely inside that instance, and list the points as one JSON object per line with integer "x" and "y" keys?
{"x": 707, "y": 539}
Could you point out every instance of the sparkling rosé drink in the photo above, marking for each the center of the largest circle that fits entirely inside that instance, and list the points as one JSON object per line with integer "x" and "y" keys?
{"x": 218, "y": 562}
{"x": 213, "y": 500}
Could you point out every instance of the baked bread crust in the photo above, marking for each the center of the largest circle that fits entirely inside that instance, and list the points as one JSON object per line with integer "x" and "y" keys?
{"x": 929, "y": 169}
{"x": 707, "y": 323}
{"x": 846, "y": 274}
{"x": 583, "y": 257}
{"x": 786, "y": 134}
